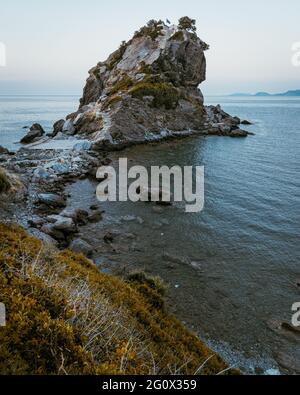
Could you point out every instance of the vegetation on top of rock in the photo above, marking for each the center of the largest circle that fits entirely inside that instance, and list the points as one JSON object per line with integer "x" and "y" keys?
{"x": 153, "y": 29}
{"x": 188, "y": 24}
{"x": 164, "y": 94}
{"x": 4, "y": 182}
{"x": 66, "y": 317}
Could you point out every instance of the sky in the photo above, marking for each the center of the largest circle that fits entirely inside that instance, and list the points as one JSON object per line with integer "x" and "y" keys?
{"x": 51, "y": 45}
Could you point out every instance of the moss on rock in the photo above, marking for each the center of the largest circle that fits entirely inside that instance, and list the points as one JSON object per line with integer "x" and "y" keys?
{"x": 124, "y": 84}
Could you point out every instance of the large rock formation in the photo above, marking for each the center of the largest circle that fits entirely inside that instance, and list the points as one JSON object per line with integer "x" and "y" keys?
{"x": 148, "y": 90}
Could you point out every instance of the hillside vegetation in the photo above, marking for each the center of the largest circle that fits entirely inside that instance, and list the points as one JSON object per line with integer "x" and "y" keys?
{"x": 66, "y": 317}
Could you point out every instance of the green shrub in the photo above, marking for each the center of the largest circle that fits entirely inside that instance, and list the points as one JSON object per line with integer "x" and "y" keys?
{"x": 188, "y": 24}
{"x": 122, "y": 85}
{"x": 153, "y": 29}
{"x": 164, "y": 94}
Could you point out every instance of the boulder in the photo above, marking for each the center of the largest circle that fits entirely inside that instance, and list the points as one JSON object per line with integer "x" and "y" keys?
{"x": 57, "y": 127}
{"x": 36, "y": 131}
{"x": 65, "y": 225}
{"x": 40, "y": 173}
{"x": 45, "y": 238}
{"x": 51, "y": 200}
{"x": 82, "y": 247}
{"x": 36, "y": 222}
{"x": 79, "y": 216}
{"x": 95, "y": 216}
{"x": 54, "y": 233}
{"x": 245, "y": 122}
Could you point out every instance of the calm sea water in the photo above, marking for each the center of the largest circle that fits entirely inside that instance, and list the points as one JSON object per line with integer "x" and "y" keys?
{"x": 237, "y": 262}
{"x": 19, "y": 111}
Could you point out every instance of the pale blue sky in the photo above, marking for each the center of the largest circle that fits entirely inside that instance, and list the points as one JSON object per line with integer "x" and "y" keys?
{"x": 52, "y": 44}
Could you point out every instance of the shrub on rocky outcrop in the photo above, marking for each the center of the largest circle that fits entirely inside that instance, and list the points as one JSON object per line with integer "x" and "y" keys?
{"x": 188, "y": 24}
{"x": 66, "y": 317}
{"x": 164, "y": 94}
{"x": 122, "y": 85}
{"x": 153, "y": 29}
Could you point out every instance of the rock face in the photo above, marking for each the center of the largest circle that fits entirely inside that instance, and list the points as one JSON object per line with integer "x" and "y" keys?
{"x": 147, "y": 90}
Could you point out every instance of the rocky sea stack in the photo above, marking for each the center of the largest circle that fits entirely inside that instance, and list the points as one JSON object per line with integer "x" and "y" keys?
{"x": 147, "y": 90}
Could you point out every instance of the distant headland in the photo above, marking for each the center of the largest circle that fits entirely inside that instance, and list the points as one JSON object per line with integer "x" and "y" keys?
{"x": 293, "y": 93}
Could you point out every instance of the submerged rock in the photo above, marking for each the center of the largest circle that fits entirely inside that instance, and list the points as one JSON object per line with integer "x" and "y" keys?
{"x": 95, "y": 216}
